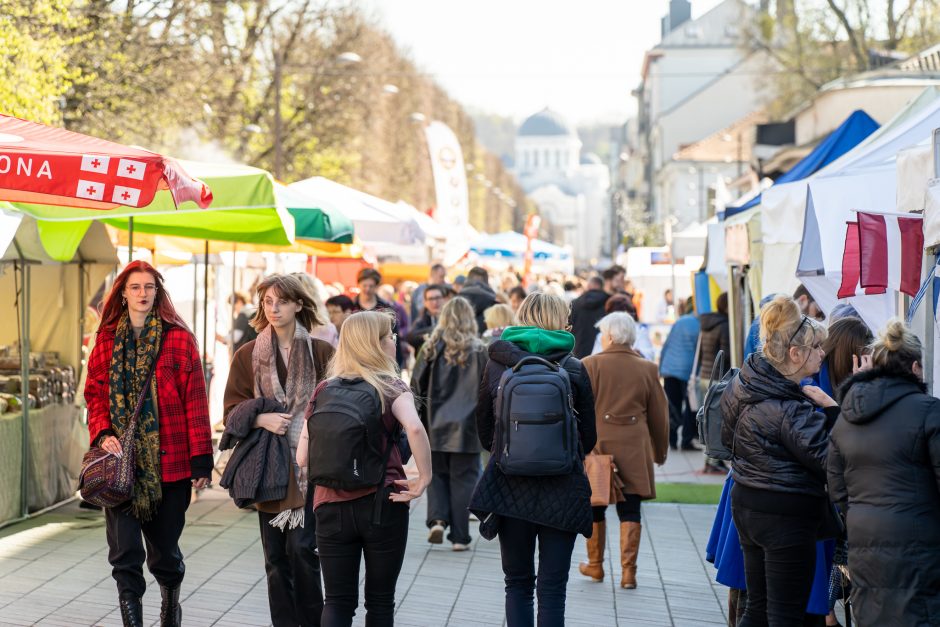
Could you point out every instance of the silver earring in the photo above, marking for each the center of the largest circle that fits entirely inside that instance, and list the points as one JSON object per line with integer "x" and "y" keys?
{"x": 123, "y": 302}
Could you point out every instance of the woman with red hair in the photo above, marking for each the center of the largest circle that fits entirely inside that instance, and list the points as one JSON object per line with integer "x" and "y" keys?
{"x": 140, "y": 333}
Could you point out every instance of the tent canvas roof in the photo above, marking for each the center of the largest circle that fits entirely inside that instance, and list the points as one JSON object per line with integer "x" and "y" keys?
{"x": 853, "y": 130}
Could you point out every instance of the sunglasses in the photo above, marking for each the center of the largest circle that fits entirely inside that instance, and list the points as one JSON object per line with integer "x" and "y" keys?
{"x": 798, "y": 329}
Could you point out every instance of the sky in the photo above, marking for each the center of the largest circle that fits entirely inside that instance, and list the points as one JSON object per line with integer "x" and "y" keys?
{"x": 514, "y": 57}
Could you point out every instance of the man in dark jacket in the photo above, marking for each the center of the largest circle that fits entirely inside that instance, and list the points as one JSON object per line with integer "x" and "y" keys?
{"x": 434, "y": 298}
{"x": 588, "y": 309}
{"x": 478, "y": 291}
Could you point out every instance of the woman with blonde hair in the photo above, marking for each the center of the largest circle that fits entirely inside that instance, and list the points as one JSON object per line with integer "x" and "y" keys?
{"x": 369, "y": 522}
{"x": 525, "y": 510}
{"x": 270, "y": 383}
{"x": 325, "y": 331}
{"x": 497, "y": 318}
{"x": 446, "y": 381}
{"x": 633, "y": 426}
{"x": 779, "y": 441}
{"x": 883, "y": 473}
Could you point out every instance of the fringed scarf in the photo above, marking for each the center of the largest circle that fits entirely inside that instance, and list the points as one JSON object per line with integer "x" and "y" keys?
{"x": 131, "y": 361}
{"x": 295, "y": 395}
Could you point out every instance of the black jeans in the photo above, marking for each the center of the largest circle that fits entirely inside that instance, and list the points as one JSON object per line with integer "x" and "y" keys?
{"x": 517, "y": 546}
{"x": 295, "y": 595}
{"x": 779, "y": 563}
{"x": 455, "y": 476}
{"x": 161, "y": 535}
{"x": 680, "y": 414}
{"x": 345, "y": 534}
{"x": 628, "y": 510}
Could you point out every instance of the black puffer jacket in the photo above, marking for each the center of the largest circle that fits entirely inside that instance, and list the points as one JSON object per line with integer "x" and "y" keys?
{"x": 884, "y": 470}
{"x": 562, "y": 502}
{"x": 715, "y": 335}
{"x": 482, "y": 297}
{"x": 586, "y": 310}
{"x": 777, "y": 436}
{"x": 448, "y": 396}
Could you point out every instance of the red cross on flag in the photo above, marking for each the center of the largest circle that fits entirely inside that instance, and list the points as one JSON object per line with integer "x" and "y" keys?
{"x": 52, "y": 166}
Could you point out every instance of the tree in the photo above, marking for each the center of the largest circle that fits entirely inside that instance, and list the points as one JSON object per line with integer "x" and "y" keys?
{"x": 35, "y": 41}
{"x": 812, "y": 42}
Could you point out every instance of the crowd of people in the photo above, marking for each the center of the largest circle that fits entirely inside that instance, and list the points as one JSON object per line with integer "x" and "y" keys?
{"x": 531, "y": 410}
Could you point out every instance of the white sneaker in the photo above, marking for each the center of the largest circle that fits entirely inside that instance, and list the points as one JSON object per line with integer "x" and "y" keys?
{"x": 436, "y": 535}
{"x": 460, "y": 547}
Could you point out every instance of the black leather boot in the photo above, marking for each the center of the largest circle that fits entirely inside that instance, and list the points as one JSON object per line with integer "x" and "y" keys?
{"x": 132, "y": 612}
{"x": 171, "y": 614}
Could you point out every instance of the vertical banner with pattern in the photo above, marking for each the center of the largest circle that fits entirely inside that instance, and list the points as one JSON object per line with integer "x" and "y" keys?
{"x": 450, "y": 175}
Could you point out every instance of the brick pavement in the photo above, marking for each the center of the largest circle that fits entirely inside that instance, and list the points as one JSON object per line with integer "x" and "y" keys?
{"x": 54, "y": 571}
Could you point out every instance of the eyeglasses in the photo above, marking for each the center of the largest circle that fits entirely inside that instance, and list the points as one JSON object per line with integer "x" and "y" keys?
{"x": 798, "y": 329}
{"x": 433, "y": 298}
{"x": 149, "y": 288}
{"x": 392, "y": 336}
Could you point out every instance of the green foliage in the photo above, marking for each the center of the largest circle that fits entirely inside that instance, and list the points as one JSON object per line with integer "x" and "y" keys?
{"x": 694, "y": 493}
{"x": 35, "y": 41}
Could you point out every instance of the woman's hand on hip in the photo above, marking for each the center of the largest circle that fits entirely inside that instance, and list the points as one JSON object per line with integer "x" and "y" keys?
{"x": 413, "y": 488}
{"x": 274, "y": 422}
{"x": 112, "y": 445}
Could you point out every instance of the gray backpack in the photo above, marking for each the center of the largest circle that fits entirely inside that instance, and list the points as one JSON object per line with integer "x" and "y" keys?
{"x": 536, "y": 426}
{"x": 709, "y": 414}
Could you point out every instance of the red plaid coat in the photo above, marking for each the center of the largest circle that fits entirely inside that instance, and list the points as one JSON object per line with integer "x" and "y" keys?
{"x": 185, "y": 433}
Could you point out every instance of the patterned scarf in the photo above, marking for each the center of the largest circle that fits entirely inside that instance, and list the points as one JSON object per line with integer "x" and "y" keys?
{"x": 295, "y": 395}
{"x": 131, "y": 361}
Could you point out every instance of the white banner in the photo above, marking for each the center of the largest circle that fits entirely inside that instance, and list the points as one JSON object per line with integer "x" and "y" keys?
{"x": 450, "y": 176}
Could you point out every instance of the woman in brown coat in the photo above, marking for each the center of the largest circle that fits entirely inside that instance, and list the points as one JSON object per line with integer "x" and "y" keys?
{"x": 633, "y": 426}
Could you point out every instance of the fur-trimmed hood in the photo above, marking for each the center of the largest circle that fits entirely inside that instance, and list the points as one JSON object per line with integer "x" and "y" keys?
{"x": 867, "y": 394}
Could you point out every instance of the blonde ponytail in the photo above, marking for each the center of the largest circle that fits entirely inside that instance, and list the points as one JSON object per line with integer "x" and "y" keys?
{"x": 896, "y": 348}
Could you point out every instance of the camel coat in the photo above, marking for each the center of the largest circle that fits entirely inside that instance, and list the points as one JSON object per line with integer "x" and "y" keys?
{"x": 632, "y": 415}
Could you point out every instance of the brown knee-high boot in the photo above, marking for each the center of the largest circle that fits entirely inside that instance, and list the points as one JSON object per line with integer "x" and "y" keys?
{"x": 594, "y": 568}
{"x": 629, "y": 547}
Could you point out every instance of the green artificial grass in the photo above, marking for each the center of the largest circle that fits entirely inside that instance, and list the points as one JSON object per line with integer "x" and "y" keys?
{"x": 697, "y": 493}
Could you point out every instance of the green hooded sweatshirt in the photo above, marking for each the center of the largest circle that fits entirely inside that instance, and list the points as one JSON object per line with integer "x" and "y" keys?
{"x": 538, "y": 341}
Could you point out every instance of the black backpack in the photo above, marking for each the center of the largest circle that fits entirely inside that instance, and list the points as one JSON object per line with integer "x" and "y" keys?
{"x": 536, "y": 427}
{"x": 346, "y": 436}
{"x": 709, "y": 414}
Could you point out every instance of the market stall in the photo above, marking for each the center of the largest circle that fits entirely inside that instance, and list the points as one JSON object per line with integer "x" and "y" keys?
{"x": 45, "y": 313}
{"x": 507, "y": 249}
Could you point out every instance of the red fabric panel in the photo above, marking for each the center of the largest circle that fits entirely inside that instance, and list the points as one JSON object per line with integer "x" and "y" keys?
{"x": 873, "y": 250}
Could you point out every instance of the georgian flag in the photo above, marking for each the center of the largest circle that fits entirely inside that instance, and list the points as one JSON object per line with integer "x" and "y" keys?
{"x": 126, "y": 196}
{"x": 851, "y": 266}
{"x": 131, "y": 169}
{"x": 891, "y": 250}
{"x": 95, "y": 163}
{"x": 92, "y": 190}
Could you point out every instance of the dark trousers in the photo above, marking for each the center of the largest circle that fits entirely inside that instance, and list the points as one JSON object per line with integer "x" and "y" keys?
{"x": 455, "y": 476}
{"x": 517, "y": 546}
{"x": 680, "y": 414}
{"x": 161, "y": 536}
{"x": 779, "y": 563}
{"x": 293, "y": 570}
{"x": 628, "y": 510}
{"x": 345, "y": 534}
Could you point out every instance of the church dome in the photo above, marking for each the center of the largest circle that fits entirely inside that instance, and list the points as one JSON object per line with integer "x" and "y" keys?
{"x": 545, "y": 123}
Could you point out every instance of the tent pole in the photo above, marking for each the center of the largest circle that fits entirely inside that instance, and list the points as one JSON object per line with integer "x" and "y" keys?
{"x": 930, "y": 329}
{"x": 205, "y": 311}
{"x": 24, "y": 388}
{"x": 81, "y": 318}
{"x": 231, "y": 333}
{"x": 195, "y": 295}
{"x": 130, "y": 239}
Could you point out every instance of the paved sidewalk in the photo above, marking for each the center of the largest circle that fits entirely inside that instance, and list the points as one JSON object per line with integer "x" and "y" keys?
{"x": 686, "y": 467}
{"x": 54, "y": 571}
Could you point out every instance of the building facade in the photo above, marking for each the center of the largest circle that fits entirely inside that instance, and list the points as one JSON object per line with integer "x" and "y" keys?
{"x": 570, "y": 189}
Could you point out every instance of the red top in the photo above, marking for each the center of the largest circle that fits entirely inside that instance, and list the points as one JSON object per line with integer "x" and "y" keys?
{"x": 394, "y": 470}
{"x": 181, "y": 400}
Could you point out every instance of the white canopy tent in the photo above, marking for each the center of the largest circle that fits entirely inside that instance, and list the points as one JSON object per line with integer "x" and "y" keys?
{"x": 783, "y": 206}
{"x": 377, "y": 221}
{"x": 865, "y": 179}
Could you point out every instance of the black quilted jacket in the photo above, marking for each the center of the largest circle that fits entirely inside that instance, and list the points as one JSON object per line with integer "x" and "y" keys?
{"x": 778, "y": 438}
{"x": 562, "y": 502}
